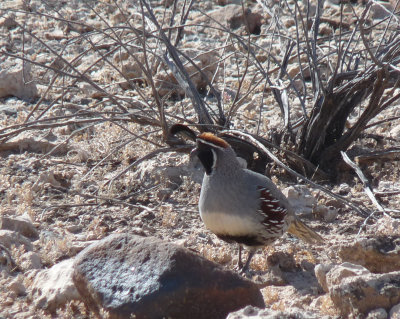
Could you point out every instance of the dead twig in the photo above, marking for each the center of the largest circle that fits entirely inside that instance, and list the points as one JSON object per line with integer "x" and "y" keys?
{"x": 387, "y": 193}
{"x": 174, "y": 63}
{"x": 388, "y": 155}
{"x": 364, "y": 180}
{"x": 367, "y": 189}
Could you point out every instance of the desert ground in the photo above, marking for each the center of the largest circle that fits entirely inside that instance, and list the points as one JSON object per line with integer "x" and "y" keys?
{"x": 84, "y": 151}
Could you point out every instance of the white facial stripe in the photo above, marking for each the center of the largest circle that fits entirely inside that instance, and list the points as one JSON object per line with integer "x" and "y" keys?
{"x": 211, "y": 144}
{"x": 214, "y": 159}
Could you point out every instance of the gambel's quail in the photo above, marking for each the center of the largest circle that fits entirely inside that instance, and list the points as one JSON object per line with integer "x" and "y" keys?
{"x": 239, "y": 205}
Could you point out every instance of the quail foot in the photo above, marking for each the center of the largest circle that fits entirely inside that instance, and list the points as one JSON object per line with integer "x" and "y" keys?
{"x": 242, "y": 206}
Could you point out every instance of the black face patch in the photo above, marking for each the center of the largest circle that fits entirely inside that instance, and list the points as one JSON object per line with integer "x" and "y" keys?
{"x": 206, "y": 158}
{"x": 248, "y": 240}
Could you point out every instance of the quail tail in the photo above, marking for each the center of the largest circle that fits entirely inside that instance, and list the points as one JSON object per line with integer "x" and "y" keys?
{"x": 305, "y": 233}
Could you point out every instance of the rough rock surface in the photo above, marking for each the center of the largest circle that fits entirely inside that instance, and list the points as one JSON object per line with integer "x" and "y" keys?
{"x": 337, "y": 273}
{"x": 9, "y": 238}
{"x": 361, "y": 294}
{"x": 253, "y": 312}
{"x": 16, "y": 80}
{"x": 206, "y": 62}
{"x": 377, "y": 254}
{"x": 86, "y": 189}
{"x": 395, "y": 312}
{"x": 22, "y": 224}
{"x": 233, "y": 17}
{"x": 53, "y": 287}
{"x": 17, "y": 287}
{"x": 128, "y": 274}
{"x": 30, "y": 260}
{"x": 381, "y": 10}
{"x": 34, "y": 143}
{"x": 379, "y": 313}
{"x": 320, "y": 272}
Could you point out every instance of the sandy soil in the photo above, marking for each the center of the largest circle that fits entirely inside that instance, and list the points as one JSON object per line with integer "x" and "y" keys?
{"x": 71, "y": 194}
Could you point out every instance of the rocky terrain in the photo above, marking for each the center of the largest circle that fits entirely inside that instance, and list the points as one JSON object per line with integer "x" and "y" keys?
{"x": 75, "y": 169}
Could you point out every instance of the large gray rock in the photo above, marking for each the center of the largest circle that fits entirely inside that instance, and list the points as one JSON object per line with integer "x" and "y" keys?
{"x": 377, "y": 254}
{"x": 361, "y": 294}
{"x": 146, "y": 277}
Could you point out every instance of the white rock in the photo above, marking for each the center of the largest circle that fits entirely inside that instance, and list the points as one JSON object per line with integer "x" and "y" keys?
{"x": 328, "y": 214}
{"x": 395, "y": 131}
{"x": 44, "y": 178}
{"x": 395, "y": 312}
{"x": 22, "y": 224}
{"x": 298, "y": 84}
{"x": 379, "y": 313}
{"x": 34, "y": 142}
{"x": 335, "y": 2}
{"x": 251, "y": 312}
{"x": 320, "y": 272}
{"x": 300, "y": 198}
{"x": 381, "y": 9}
{"x": 17, "y": 287}
{"x": 9, "y": 238}
{"x": 30, "y": 260}
{"x": 336, "y": 275}
{"x": 388, "y": 186}
{"x": 387, "y": 225}
{"x": 53, "y": 288}
{"x": 344, "y": 189}
{"x": 359, "y": 295}
{"x": 330, "y": 274}
{"x": 16, "y": 80}
{"x": 379, "y": 254}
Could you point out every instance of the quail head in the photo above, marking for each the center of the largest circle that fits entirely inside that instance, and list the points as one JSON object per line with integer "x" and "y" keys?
{"x": 242, "y": 206}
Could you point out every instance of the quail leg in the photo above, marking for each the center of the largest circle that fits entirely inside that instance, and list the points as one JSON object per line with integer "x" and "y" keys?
{"x": 247, "y": 264}
{"x": 240, "y": 264}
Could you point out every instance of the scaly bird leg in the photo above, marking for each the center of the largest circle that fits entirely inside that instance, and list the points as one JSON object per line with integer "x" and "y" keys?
{"x": 240, "y": 264}
{"x": 250, "y": 256}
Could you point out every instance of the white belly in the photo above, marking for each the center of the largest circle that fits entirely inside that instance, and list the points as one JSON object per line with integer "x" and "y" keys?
{"x": 228, "y": 224}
